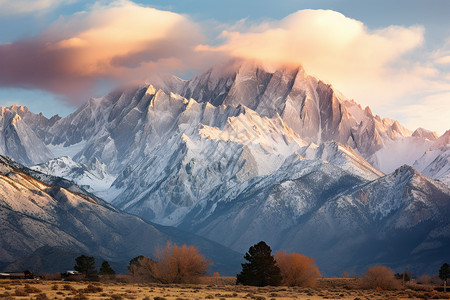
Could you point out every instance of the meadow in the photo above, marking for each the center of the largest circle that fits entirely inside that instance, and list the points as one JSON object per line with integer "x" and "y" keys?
{"x": 210, "y": 288}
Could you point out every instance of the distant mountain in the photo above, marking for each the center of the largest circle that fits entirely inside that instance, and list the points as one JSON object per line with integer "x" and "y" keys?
{"x": 21, "y": 132}
{"x": 242, "y": 153}
{"x": 49, "y": 219}
{"x": 435, "y": 162}
{"x": 343, "y": 221}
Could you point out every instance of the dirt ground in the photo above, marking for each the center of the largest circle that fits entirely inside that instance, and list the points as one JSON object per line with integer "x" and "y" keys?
{"x": 212, "y": 288}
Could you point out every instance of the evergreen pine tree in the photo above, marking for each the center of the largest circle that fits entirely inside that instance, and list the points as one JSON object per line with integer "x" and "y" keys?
{"x": 106, "y": 269}
{"x": 86, "y": 265}
{"x": 261, "y": 269}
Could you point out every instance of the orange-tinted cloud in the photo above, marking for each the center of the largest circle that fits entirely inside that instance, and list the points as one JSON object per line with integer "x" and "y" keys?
{"x": 120, "y": 41}
{"x": 387, "y": 69}
{"x": 329, "y": 45}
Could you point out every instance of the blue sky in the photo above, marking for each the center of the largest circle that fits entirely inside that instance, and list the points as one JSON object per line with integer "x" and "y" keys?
{"x": 391, "y": 55}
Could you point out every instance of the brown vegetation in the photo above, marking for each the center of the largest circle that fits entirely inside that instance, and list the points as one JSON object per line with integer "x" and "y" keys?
{"x": 174, "y": 265}
{"x": 424, "y": 279}
{"x": 380, "y": 277}
{"x": 330, "y": 288}
{"x": 297, "y": 269}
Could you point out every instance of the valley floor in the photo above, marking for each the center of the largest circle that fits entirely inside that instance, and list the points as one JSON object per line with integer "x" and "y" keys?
{"x": 216, "y": 288}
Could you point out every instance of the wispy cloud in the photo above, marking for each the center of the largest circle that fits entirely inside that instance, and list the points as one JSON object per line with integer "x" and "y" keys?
{"x": 118, "y": 41}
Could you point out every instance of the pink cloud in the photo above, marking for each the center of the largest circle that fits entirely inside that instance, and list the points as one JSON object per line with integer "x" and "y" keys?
{"x": 120, "y": 42}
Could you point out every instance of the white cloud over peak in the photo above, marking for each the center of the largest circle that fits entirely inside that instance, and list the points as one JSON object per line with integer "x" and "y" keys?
{"x": 383, "y": 68}
{"x": 329, "y": 45}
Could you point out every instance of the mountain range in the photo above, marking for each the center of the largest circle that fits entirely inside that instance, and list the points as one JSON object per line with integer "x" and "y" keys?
{"x": 243, "y": 153}
{"x": 46, "y": 217}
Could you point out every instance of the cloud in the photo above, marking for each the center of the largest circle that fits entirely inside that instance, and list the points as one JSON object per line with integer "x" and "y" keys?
{"x": 331, "y": 46}
{"x": 120, "y": 41}
{"x": 432, "y": 110}
{"x": 23, "y": 7}
{"x": 387, "y": 69}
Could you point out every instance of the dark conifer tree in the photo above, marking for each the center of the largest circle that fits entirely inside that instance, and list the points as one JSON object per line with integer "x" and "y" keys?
{"x": 261, "y": 269}
{"x": 86, "y": 265}
{"x": 106, "y": 269}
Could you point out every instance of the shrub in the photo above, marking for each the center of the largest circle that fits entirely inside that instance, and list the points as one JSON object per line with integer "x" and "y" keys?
{"x": 68, "y": 287}
{"x": 31, "y": 290}
{"x": 297, "y": 269}
{"x": 77, "y": 297}
{"x": 41, "y": 296}
{"x": 93, "y": 289}
{"x": 424, "y": 279}
{"x": 21, "y": 292}
{"x": 380, "y": 277}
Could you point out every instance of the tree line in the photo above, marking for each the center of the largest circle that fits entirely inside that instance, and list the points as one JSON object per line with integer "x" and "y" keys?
{"x": 185, "y": 264}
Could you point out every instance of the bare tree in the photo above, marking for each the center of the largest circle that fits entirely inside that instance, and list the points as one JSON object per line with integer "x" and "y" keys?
{"x": 173, "y": 264}
{"x": 380, "y": 277}
{"x": 297, "y": 269}
{"x": 141, "y": 269}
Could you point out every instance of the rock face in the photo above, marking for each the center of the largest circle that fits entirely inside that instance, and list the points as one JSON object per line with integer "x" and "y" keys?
{"x": 48, "y": 213}
{"x": 21, "y": 134}
{"x": 435, "y": 162}
{"x": 310, "y": 107}
{"x": 343, "y": 221}
{"x": 274, "y": 155}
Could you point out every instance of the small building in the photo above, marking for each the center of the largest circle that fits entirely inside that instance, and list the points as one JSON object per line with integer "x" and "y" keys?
{"x": 12, "y": 275}
{"x": 70, "y": 273}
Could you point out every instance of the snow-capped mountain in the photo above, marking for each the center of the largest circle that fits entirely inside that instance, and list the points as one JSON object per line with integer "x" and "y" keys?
{"x": 343, "y": 221}
{"x": 435, "y": 162}
{"x": 21, "y": 132}
{"x": 34, "y": 214}
{"x": 256, "y": 151}
{"x": 312, "y": 108}
{"x": 94, "y": 178}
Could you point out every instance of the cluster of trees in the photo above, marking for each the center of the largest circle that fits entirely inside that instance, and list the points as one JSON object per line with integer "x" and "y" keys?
{"x": 290, "y": 269}
{"x": 86, "y": 266}
{"x": 185, "y": 264}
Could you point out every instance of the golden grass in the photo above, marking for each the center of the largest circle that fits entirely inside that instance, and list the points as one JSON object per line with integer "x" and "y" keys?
{"x": 211, "y": 288}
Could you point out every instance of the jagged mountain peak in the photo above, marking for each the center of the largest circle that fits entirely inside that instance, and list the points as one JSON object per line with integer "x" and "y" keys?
{"x": 248, "y": 139}
{"x": 428, "y": 134}
{"x": 443, "y": 140}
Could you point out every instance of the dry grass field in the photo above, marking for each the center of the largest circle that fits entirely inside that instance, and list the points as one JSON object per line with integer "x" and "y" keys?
{"x": 211, "y": 288}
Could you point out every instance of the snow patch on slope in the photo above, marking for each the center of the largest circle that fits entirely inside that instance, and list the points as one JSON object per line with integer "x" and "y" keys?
{"x": 95, "y": 181}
